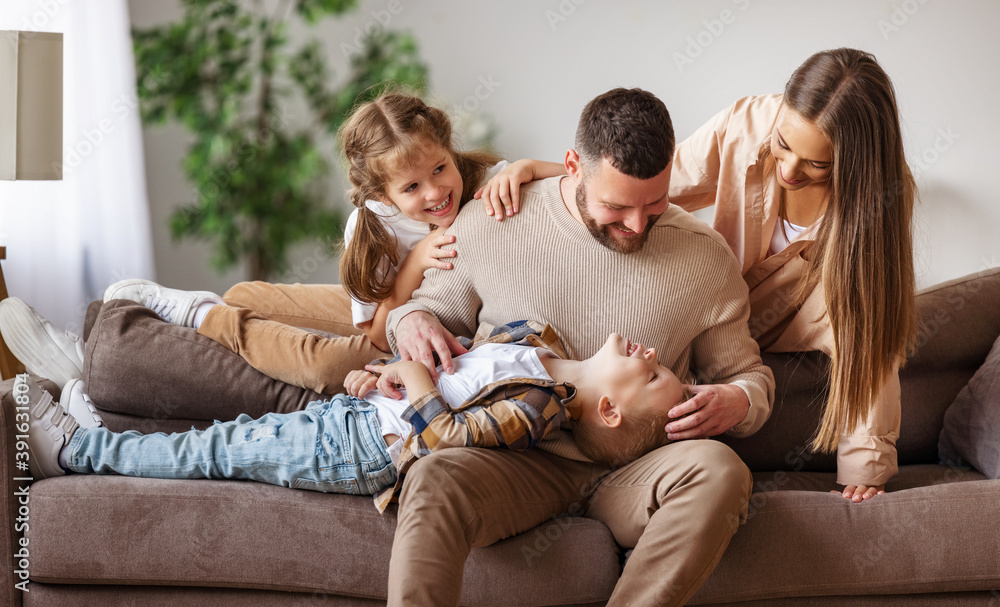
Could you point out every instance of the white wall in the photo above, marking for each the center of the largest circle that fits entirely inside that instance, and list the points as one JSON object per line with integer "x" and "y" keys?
{"x": 69, "y": 239}
{"x": 546, "y": 59}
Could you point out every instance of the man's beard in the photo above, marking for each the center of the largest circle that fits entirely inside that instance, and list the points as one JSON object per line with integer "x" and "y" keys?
{"x": 603, "y": 233}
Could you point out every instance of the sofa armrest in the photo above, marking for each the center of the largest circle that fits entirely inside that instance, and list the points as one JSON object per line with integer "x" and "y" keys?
{"x": 9, "y": 536}
{"x": 12, "y": 532}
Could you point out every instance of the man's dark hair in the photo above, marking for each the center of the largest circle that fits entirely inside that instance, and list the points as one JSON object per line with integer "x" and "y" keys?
{"x": 629, "y": 127}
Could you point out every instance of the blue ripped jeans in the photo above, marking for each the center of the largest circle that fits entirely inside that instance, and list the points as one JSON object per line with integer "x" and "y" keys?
{"x": 332, "y": 446}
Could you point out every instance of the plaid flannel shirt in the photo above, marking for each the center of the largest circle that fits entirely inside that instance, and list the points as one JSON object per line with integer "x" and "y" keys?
{"x": 513, "y": 413}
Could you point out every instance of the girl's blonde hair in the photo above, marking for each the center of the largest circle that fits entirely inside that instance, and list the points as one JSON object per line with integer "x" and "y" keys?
{"x": 863, "y": 253}
{"x": 381, "y": 137}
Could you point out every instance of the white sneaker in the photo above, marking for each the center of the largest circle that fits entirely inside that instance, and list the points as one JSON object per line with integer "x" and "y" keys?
{"x": 51, "y": 429}
{"x": 76, "y": 402}
{"x": 44, "y": 350}
{"x": 172, "y": 305}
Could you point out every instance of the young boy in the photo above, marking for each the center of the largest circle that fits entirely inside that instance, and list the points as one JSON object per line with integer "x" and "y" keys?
{"x": 512, "y": 389}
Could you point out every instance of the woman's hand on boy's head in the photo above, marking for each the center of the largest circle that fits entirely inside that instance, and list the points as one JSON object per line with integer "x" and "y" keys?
{"x": 860, "y": 493}
{"x": 712, "y": 410}
{"x": 500, "y": 195}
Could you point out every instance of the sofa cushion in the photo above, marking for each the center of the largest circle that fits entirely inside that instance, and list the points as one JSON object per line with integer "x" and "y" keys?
{"x": 908, "y": 477}
{"x": 972, "y": 424}
{"x": 118, "y": 530}
{"x": 939, "y": 538}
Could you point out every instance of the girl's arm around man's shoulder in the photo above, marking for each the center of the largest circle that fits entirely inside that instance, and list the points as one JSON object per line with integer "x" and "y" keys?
{"x": 501, "y": 194}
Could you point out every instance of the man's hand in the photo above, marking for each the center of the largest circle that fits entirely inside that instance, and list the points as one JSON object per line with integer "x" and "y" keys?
{"x": 712, "y": 410}
{"x": 419, "y": 335}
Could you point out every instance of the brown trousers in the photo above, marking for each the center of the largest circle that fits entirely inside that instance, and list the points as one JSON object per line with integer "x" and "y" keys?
{"x": 264, "y": 323}
{"x": 677, "y": 507}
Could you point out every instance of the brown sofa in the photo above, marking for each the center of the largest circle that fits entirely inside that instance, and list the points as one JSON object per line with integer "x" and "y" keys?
{"x": 933, "y": 539}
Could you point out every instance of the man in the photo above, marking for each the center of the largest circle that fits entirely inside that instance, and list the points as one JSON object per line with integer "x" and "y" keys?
{"x": 598, "y": 251}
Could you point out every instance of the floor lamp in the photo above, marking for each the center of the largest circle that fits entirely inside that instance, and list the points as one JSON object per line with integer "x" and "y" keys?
{"x": 31, "y": 119}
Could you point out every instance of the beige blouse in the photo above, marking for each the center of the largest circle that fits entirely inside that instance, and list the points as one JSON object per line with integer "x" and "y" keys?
{"x": 721, "y": 164}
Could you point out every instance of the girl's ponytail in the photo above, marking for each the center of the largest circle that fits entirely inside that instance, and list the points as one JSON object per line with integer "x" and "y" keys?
{"x": 365, "y": 263}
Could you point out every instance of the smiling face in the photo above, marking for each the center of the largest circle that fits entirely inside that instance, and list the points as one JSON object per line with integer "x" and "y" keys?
{"x": 430, "y": 189}
{"x": 619, "y": 210}
{"x": 803, "y": 154}
{"x": 633, "y": 377}
{"x": 629, "y": 397}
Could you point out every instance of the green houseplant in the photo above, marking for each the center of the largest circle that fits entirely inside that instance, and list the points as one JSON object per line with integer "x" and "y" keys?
{"x": 225, "y": 73}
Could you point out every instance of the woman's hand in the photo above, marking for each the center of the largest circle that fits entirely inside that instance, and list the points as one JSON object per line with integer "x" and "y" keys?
{"x": 500, "y": 194}
{"x": 358, "y": 383}
{"x": 860, "y": 493}
{"x": 430, "y": 251}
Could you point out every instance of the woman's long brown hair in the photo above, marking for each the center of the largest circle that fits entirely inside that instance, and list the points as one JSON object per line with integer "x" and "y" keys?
{"x": 863, "y": 252}
{"x": 381, "y": 137}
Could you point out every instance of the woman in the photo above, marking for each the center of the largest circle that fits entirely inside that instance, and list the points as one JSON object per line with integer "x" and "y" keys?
{"x": 812, "y": 193}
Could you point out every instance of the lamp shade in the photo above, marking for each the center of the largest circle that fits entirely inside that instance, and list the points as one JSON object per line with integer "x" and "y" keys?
{"x": 31, "y": 99}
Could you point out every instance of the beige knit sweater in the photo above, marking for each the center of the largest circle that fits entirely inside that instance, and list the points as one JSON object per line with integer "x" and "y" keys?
{"x": 682, "y": 293}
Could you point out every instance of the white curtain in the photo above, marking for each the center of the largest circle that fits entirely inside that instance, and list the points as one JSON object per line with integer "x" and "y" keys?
{"x": 68, "y": 240}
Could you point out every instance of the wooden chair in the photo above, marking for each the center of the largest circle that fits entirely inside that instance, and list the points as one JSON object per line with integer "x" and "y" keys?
{"x": 9, "y": 366}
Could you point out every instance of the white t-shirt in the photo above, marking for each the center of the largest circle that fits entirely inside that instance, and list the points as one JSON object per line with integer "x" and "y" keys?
{"x": 408, "y": 233}
{"x": 474, "y": 370}
{"x": 784, "y": 237}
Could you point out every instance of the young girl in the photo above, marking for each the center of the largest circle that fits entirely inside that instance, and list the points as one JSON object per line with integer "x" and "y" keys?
{"x": 821, "y": 222}
{"x": 408, "y": 184}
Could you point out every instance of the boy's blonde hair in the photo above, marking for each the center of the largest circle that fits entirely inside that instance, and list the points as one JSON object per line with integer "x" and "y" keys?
{"x": 380, "y": 138}
{"x": 641, "y": 430}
